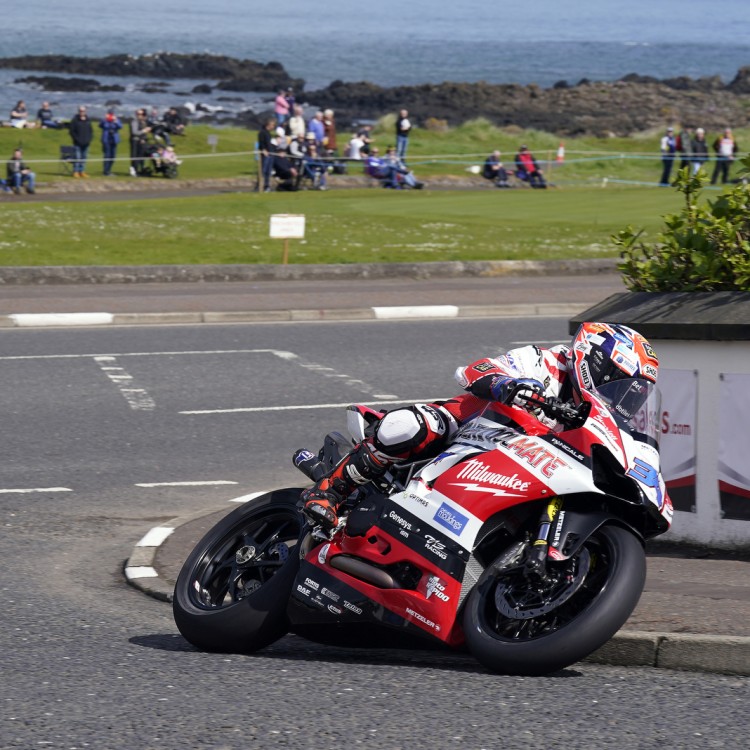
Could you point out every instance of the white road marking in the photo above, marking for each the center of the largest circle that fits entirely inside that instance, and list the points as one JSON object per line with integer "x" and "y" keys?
{"x": 155, "y": 536}
{"x": 207, "y": 483}
{"x": 276, "y": 352}
{"x": 137, "y": 398}
{"x": 294, "y": 408}
{"x": 34, "y": 489}
{"x": 416, "y": 311}
{"x": 247, "y": 498}
{"x": 140, "y": 571}
{"x": 62, "y": 319}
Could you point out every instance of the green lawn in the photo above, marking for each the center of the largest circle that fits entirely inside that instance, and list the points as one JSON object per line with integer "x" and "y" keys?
{"x": 342, "y": 226}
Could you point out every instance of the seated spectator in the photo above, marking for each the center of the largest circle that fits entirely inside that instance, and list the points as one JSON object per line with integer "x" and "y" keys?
{"x": 528, "y": 170}
{"x": 315, "y": 168}
{"x": 494, "y": 170}
{"x": 46, "y": 119}
{"x": 365, "y": 134}
{"x": 173, "y": 122}
{"x": 19, "y": 116}
{"x": 159, "y": 129}
{"x": 19, "y": 174}
{"x": 391, "y": 170}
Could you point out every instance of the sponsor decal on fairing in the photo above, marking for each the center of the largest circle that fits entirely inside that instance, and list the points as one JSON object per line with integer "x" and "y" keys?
{"x": 417, "y": 616}
{"x": 451, "y": 519}
{"x": 434, "y": 586}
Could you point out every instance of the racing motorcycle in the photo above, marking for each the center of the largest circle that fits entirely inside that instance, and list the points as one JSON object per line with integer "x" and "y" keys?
{"x": 522, "y": 541}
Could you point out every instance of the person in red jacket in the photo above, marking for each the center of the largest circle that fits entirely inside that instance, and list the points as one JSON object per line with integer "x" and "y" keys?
{"x": 599, "y": 353}
{"x": 527, "y": 169}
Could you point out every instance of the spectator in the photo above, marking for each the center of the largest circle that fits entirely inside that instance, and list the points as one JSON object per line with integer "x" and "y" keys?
{"x": 280, "y": 140}
{"x": 19, "y": 174}
{"x": 267, "y": 149}
{"x": 329, "y": 133}
{"x": 403, "y": 128}
{"x": 391, "y": 170}
{"x": 699, "y": 150}
{"x": 139, "y": 130}
{"x": 528, "y": 170}
{"x": 110, "y": 125}
{"x": 726, "y": 149}
{"x": 297, "y": 127}
{"x": 365, "y": 133}
{"x": 494, "y": 170}
{"x": 683, "y": 144}
{"x": 19, "y": 116}
{"x": 354, "y": 149}
{"x": 159, "y": 130}
{"x": 81, "y": 133}
{"x": 314, "y": 167}
{"x": 281, "y": 107}
{"x": 297, "y": 150}
{"x": 317, "y": 128}
{"x": 173, "y": 122}
{"x": 289, "y": 96}
{"x": 46, "y": 119}
{"x": 668, "y": 147}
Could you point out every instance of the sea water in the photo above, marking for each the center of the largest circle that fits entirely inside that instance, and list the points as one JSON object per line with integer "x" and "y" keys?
{"x": 391, "y": 42}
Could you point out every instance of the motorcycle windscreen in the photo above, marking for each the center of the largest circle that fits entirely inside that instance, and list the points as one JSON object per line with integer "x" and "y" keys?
{"x": 636, "y": 405}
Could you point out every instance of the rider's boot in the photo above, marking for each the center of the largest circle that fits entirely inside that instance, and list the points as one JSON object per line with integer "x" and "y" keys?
{"x": 321, "y": 502}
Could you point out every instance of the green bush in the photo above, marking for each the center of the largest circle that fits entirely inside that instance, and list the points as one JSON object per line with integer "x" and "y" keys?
{"x": 704, "y": 248}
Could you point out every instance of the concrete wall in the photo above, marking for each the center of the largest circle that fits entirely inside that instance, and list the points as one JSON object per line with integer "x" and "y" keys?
{"x": 710, "y": 359}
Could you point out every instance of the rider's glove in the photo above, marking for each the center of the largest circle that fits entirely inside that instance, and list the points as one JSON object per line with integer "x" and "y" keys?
{"x": 505, "y": 389}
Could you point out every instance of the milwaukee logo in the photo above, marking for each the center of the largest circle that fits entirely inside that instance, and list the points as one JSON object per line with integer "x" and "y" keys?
{"x": 479, "y": 472}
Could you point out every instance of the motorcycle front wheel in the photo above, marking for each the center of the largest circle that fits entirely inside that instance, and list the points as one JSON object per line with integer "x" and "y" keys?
{"x": 232, "y": 592}
{"x": 517, "y": 624}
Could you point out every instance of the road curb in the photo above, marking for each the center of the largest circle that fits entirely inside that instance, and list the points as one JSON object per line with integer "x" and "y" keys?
{"x": 415, "y": 312}
{"x": 627, "y": 648}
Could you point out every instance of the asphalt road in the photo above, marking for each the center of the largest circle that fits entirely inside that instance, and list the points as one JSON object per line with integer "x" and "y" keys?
{"x": 100, "y": 425}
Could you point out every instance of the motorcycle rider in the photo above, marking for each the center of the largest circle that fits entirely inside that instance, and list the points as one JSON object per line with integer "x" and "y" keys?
{"x": 599, "y": 353}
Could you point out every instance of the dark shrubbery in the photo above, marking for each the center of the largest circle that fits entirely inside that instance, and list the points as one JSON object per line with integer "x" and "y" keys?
{"x": 704, "y": 248}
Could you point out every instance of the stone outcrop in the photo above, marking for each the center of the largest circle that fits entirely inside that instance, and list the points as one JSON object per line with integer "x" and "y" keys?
{"x": 634, "y": 103}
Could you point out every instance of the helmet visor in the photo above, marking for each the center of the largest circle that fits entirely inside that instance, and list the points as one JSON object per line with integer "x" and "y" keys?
{"x": 636, "y": 402}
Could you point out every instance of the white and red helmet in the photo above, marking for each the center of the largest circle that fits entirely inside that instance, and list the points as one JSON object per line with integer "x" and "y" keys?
{"x": 603, "y": 353}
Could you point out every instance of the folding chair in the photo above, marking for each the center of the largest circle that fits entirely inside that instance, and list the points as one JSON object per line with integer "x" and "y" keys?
{"x": 67, "y": 159}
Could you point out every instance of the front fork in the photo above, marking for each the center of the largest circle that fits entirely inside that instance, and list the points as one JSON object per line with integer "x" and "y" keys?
{"x": 537, "y": 557}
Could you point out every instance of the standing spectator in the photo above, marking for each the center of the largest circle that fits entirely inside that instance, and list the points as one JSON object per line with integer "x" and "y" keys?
{"x": 699, "y": 150}
{"x": 684, "y": 144}
{"x": 528, "y": 170}
{"x": 329, "y": 133}
{"x": 289, "y": 96}
{"x": 267, "y": 150}
{"x": 668, "y": 148}
{"x": 19, "y": 116}
{"x": 281, "y": 107}
{"x": 139, "y": 130}
{"x": 19, "y": 174}
{"x": 365, "y": 133}
{"x": 354, "y": 149}
{"x": 46, "y": 119}
{"x": 297, "y": 127}
{"x": 403, "y": 127}
{"x": 111, "y": 126}
{"x": 494, "y": 170}
{"x": 81, "y": 133}
{"x": 317, "y": 128}
{"x": 726, "y": 149}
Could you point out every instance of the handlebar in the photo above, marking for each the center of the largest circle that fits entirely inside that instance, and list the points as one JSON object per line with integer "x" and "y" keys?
{"x": 563, "y": 411}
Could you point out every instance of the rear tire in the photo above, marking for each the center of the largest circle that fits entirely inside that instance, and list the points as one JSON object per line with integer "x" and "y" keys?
{"x": 232, "y": 592}
{"x": 533, "y": 635}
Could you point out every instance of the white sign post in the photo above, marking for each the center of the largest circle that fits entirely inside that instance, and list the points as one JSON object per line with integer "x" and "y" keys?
{"x": 213, "y": 141}
{"x": 286, "y": 227}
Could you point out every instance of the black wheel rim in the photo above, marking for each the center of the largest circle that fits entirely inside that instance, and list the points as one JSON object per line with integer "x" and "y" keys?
{"x": 514, "y": 607}
{"x": 244, "y": 559}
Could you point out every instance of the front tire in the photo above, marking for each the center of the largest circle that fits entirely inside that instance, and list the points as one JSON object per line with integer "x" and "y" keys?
{"x": 515, "y": 627}
{"x": 232, "y": 592}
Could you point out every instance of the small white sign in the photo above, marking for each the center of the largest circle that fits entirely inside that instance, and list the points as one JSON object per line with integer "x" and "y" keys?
{"x": 287, "y": 226}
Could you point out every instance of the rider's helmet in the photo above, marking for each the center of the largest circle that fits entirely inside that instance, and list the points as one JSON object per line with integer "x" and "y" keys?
{"x": 605, "y": 353}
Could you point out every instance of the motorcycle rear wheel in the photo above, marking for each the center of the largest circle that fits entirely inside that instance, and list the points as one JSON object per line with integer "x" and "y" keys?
{"x": 232, "y": 592}
{"x": 551, "y": 628}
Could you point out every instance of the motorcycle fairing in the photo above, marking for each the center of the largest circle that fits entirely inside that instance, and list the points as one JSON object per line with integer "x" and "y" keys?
{"x": 425, "y": 595}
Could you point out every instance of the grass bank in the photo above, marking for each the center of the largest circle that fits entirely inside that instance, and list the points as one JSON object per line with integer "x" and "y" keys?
{"x": 342, "y": 226}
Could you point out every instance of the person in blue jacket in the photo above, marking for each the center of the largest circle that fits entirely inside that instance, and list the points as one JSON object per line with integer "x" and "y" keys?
{"x": 111, "y": 126}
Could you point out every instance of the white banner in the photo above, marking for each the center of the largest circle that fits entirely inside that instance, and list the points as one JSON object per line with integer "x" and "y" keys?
{"x": 677, "y": 444}
{"x": 734, "y": 445}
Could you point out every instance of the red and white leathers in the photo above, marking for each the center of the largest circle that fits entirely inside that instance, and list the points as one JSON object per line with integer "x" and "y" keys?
{"x": 421, "y": 430}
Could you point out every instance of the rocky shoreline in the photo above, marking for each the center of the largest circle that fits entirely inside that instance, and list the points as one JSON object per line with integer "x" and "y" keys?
{"x": 602, "y": 108}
